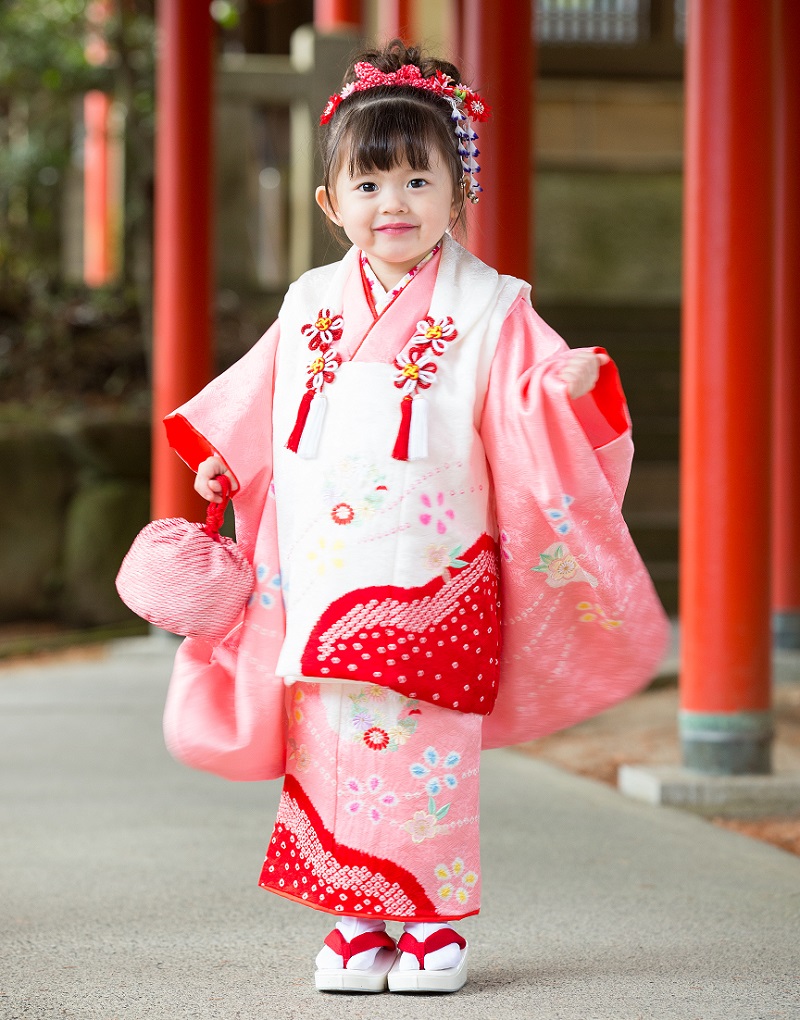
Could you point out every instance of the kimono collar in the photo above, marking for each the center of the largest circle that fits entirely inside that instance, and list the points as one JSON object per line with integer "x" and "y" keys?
{"x": 381, "y": 297}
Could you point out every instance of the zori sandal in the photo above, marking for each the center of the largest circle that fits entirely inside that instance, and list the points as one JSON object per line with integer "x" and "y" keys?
{"x": 346, "y": 979}
{"x": 449, "y": 980}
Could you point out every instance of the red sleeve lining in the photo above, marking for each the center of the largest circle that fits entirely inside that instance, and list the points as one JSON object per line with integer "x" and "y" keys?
{"x": 190, "y": 445}
{"x": 603, "y": 412}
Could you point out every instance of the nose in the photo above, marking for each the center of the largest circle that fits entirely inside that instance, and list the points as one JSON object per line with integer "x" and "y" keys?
{"x": 393, "y": 199}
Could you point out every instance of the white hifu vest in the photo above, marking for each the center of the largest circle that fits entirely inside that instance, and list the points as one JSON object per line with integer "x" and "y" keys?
{"x": 389, "y": 567}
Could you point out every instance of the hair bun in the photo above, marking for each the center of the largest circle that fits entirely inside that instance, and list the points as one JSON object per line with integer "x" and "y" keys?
{"x": 395, "y": 54}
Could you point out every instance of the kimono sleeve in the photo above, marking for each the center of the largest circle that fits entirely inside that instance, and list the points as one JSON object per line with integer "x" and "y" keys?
{"x": 582, "y": 626}
{"x": 232, "y": 416}
{"x": 530, "y": 350}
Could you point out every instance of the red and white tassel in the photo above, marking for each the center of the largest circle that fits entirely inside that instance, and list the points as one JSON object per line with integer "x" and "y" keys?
{"x": 312, "y": 433}
{"x": 412, "y": 436}
{"x": 400, "y": 451}
{"x": 418, "y": 433}
{"x": 300, "y": 422}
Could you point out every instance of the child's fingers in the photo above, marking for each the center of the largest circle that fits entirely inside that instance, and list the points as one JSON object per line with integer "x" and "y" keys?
{"x": 581, "y": 372}
{"x": 206, "y": 482}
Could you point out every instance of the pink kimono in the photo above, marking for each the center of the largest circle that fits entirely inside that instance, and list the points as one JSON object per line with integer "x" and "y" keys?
{"x": 441, "y": 565}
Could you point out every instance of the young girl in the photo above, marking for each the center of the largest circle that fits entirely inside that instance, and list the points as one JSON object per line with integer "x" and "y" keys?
{"x": 421, "y": 467}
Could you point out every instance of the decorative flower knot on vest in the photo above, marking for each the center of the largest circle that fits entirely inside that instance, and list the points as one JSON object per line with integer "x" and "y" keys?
{"x": 322, "y": 334}
{"x": 466, "y": 108}
{"x": 416, "y": 370}
{"x": 326, "y": 330}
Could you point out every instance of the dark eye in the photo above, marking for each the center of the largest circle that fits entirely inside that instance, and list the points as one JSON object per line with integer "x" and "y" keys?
{"x": 417, "y": 182}
{"x": 368, "y": 187}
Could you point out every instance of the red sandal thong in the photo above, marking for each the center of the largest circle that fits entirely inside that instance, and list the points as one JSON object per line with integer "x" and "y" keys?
{"x": 347, "y": 979}
{"x": 449, "y": 980}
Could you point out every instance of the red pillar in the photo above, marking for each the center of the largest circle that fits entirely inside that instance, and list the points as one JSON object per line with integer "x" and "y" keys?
{"x": 97, "y": 243}
{"x": 182, "y": 361}
{"x": 334, "y": 15}
{"x": 498, "y": 60}
{"x": 725, "y": 715}
{"x": 97, "y": 255}
{"x": 786, "y": 503}
{"x": 395, "y": 20}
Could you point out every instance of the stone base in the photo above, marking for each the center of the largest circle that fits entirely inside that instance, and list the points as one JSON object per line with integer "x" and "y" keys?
{"x": 725, "y": 796}
{"x": 786, "y": 667}
{"x": 786, "y": 630}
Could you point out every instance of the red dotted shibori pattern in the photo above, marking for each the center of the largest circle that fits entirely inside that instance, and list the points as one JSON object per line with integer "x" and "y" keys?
{"x": 305, "y": 863}
{"x": 438, "y": 643}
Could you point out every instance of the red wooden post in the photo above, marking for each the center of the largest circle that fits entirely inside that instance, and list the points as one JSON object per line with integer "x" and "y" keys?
{"x": 725, "y": 719}
{"x": 334, "y": 15}
{"x": 786, "y": 503}
{"x": 182, "y": 361}
{"x": 395, "y": 20}
{"x": 97, "y": 255}
{"x": 498, "y": 60}
{"x": 98, "y": 265}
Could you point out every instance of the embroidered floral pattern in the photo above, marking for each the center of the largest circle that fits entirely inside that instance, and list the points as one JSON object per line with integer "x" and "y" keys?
{"x": 327, "y": 554}
{"x": 559, "y": 516}
{"x": 269, "y": 587}
{"x": 380, "y": 719}
{"x": 356, "y": 490}
{"x": 459, "y": 881}
{"x": 424, "y": 824}
{"x": 370, "y": 798}
{"x": 505, "y": 546}
{"x": 593, "y": 613}
{"x": 296, "y": 712}
{"x": 431, "y": 761}
{"x": 376, "y": 738}
{"x": 443, "y": 560}
{"x": 437, "y": 513}
{"x": 561, "y": 567}
{"x": 342, "y": 513}
{"x": 299, "y": 754}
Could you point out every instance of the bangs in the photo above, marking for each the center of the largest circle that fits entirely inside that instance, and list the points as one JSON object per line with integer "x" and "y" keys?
{"x": 385, "y": 134}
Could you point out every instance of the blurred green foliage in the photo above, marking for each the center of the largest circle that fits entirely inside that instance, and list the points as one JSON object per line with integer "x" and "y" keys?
{"x": 44, "y": 73}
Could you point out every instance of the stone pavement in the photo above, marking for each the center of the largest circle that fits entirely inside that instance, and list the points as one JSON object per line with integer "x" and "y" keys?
{"x": 128, "y": 884}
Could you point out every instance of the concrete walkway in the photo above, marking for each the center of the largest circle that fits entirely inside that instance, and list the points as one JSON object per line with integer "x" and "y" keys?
{"x": 128, "y": 885}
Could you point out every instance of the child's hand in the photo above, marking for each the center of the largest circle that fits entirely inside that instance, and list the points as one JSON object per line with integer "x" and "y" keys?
{"x": 582, "y": 371}
{"x": 204, "y": 482}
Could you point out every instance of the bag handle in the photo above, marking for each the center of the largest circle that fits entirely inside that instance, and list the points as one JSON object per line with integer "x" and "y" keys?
{"x": 215, "y": 513}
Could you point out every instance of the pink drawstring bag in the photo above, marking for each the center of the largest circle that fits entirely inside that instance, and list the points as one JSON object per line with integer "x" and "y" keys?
{"x": 185, "y": 577}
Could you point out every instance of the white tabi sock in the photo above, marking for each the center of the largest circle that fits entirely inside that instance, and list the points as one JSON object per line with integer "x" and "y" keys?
{"x": 327, "y": 959}
{"x": 441, "y": 959}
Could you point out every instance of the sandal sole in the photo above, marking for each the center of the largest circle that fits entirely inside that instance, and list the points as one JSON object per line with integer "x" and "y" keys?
{"x": 442, "y": 981}
{"x": 373, "y": 980}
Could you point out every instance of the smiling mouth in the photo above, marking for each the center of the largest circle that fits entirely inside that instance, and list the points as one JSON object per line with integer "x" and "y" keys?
{"x": 395, "y": 228}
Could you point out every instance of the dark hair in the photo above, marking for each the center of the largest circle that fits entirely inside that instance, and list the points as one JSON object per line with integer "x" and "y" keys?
{"x": 380, "y": 128}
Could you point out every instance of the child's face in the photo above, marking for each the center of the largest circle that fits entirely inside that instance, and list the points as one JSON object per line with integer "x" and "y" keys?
{"x": 394, "y": 216}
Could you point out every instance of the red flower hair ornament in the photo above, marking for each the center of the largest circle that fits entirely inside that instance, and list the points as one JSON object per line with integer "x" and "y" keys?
{"x": 466, "y": 106}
